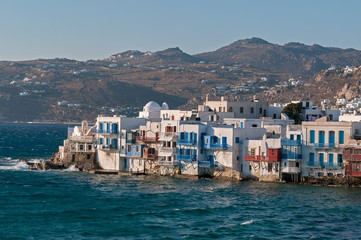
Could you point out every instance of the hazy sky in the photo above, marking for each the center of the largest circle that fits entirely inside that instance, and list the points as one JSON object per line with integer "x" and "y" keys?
{"x": 89, "y": 29}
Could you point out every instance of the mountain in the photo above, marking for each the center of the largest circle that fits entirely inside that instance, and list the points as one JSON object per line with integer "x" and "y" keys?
{"x": 291, "y": 58}
{"x": 167, "y": 56}
{"x": 66, "y": 90}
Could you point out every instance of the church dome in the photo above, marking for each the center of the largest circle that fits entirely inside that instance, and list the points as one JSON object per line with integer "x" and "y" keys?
{"x": 165, "y": 106}
{"x": 151, "y": 107}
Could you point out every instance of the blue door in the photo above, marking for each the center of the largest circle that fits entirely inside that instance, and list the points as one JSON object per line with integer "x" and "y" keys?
{"x": 330, "y": 160}
{"x": 321, "y": 160}
{"x": 312, "y": 159}
{"x": 224, "y": 141}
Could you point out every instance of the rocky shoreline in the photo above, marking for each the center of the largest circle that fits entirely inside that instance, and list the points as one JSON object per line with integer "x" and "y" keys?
{"x": 90, "y": 166}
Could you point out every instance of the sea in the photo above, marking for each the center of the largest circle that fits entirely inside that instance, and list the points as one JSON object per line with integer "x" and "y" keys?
{"x": 70, "y": 204}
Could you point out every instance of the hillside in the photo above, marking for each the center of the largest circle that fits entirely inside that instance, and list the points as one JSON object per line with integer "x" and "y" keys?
{"x": 68, "y": 90}
{"x": 327, "y": 84}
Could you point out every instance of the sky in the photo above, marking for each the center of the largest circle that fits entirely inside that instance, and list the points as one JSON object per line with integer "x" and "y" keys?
{"x": 96, "y": 29}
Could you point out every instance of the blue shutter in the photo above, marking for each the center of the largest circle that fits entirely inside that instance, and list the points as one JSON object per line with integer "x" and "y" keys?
{"x": 321, "y": 137}
{"x": 186, "y": 136}
{"x": 195, "y": 137}
{"x": 182, "y": 135}
{"x": 312, "y": 136}
{"x": 339, "y": 160}
{"x": 237, "y": 139}
{"x": 101, "y": 140}
{"x": 341, "y": 135}
{"x": 194, "y": 154}
{"x": 188, "y": 152}
{"x": 292, "y": 137}
{"x": 101, "y": 126}
{"x": 224, "y": 141}
{"x": 299, "y": 137}
{"x": 331, "y": 137}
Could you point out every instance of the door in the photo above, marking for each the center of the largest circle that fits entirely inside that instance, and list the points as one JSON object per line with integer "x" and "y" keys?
{"x": 331, "y": 137}
{"x": 330, "y": 160}
{"x": 321, "y": 138}
{"x": 321, "y": 160}
{"x": 312, "y": 159}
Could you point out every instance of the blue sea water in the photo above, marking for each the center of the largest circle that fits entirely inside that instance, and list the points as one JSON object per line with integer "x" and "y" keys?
{"x": 77, "y": 205}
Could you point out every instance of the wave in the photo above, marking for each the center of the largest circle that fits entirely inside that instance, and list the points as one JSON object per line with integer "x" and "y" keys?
{"x": 20, "y": 166}
{"x": 247, "y": 222}
{"x": 72, "y": 168}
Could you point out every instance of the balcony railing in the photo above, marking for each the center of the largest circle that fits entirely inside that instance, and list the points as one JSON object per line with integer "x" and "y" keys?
{"x": 146, "y": 139}
{"x": 106, "y": 131}
{"x": 150, "y": 156}
{"x": 292, "y": 156}
{"x": 167, "y": 163}
{"x": 86, "y": 139}
{"x": 351, "y": 157}
{"x": 186, "y": 141}
{"x": 133, "y": 154}
{"x": 108, "y": 147}
{"x": 258, "y": 158}
{"x": 291, "y": 170}
{"x": 205, "y": 164}
{"x": 186, "y": 157}
{"x": 214, "y": 146}
{"x": 289, "y": 142}
{"x": 324, "y": 165}
{"x": 167, "y": 150}
{"x": 324, "y": 145}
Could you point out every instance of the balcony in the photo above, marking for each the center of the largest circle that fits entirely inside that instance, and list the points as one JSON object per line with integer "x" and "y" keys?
{"x": 108, "y": 147}
{"x": 133, "y": 154}
{"x": 167, "y": 150}
{"x": 187, "y": 142}
{"x": 146, "y": 139}
{"x": 187, "y": 158}
{"x": 292, "y": 156}
{"x": 167, "y": 163}
{"x": 291, "y": 170}
{"x": 352, "y": 157}
{"x": 324, "y": 145}
{"x": 84, "y": 139}
{"x": 257, "y": 158}
{"x": 105, "y": 131}
{"x": 215, "y": 146}
{"x": 205, "y": 164}
{"x": 289, "y": 142}
{"x": 324, "y": 165}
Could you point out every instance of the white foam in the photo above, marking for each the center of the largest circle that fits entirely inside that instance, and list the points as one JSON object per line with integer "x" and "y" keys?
{"x": 72, "y": 168}
{"x": 20, "y": 166}
{"x": 247, "y": 222}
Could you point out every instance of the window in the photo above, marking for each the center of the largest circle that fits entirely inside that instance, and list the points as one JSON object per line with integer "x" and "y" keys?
{"x": 129, "y": 147}
{"x": 241, "y": 110}
{"x": 88, "y": 156}
{"x": 339, "y": 160}
{"x": 137, "y": 148}
{"x": 242, "y": 125}
{"x": 341, "y": 136}
{"x": 252, "y": 110}
{"x": 81, "y": 147}
{"x": 292, "y": 137}
{"x": 101, "y": 140}
{"x": 297, "y": 164}
{"x": 230, "y": 109}
{"x": 250, "y": 167}
{"x": 237, "y": 139}
{"x": 89, "y": 147}
{"x": 254, "y": 125}
{"x": 269, "y": 167}
{"x": 73, "y": 158}
{"x": 220, "y": 109}
{"x": 260, "y": 110}
{"x": 237, "y": 158}
{"x": 330, "y": 160}
{"x": 320, "y": 158}
{"x": 253, "y": 151}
